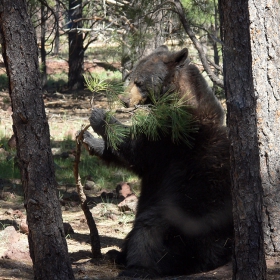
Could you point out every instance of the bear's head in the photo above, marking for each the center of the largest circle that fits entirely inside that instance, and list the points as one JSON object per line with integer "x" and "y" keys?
{"x": 168, "y": 72}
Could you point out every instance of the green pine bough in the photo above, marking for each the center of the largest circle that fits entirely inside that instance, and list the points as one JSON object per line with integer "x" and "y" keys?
{"x": 166, "y": 115}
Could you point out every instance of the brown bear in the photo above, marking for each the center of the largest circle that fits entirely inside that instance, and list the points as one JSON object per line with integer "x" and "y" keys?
{"x": 184, "y": 221}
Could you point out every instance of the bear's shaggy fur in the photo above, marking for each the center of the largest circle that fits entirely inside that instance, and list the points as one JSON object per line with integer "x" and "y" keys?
{"x": 184, "y": 222}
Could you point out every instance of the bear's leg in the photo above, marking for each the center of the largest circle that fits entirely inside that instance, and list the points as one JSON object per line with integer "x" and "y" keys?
{"x": 147, "y": 252}
{"x": 143, "y": 249}
{"x": 158, "y": 245}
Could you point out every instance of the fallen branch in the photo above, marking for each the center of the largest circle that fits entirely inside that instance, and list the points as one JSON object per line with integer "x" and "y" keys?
{"x": 94, "y": 236}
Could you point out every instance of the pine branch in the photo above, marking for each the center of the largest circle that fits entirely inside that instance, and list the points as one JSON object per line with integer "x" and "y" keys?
{"x": 166, "y": 116}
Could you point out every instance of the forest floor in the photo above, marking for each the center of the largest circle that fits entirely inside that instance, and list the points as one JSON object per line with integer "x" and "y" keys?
{"x": 66, "y": 112}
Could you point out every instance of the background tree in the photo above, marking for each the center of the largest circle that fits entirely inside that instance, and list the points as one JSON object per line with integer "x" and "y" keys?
{"x": 144, "y": 28}
{"x": 137, "y": 27}
{"x": 75, "y": 41}
{"x": 47, "y": 244}
{"x": 45, "y": 20}
{"x": 251, "y": 65}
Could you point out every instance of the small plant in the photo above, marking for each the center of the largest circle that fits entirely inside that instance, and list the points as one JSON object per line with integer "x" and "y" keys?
{"x": 101, "y": 85}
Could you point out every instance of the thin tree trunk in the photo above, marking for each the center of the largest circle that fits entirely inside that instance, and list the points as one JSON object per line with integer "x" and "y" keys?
{"x": 76, "y": 50}
{"x": 43, "y": 46}
{"x": 56, "y": 39}
{"x": 47, "y": 244}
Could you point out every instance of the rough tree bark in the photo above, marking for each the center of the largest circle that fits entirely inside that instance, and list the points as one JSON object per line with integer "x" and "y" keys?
{"x": 251, "y": 69}
{"x": 76, "y": 49}
{"x": 47, "y": 244}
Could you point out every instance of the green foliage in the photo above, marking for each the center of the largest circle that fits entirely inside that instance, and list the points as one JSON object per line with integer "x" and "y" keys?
{"x": 4, "y": 82}
{"x": 115, "y": 132}
{"x": 165, "y": 116}
{"x": 94, "y": 84}
{"x": 99, "y": 84}
{"x": 200, "y": 12}
{"x": 104, "y": 176}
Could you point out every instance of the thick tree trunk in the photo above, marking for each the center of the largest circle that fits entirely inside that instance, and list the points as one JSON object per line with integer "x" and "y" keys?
{"x": 265, "y": 38}
{"x": 249, "y": 257}
{"x": 251, "y": 64}
{"x": 48, "y": 248}
{"x": 76, "y": 50}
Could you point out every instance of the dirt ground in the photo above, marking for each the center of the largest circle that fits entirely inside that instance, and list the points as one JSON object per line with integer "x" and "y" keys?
{"x": 112, "y": 224}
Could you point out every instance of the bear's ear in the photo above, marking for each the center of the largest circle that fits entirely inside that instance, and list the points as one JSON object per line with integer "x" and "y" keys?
{"x": 178, "y": 57}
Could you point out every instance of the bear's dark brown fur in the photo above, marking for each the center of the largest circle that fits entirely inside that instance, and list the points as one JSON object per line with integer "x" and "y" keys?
{"x": 184, "y": 217}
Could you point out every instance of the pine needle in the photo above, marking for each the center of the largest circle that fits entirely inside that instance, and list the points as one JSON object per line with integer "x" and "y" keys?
{"x": 115, "y": 131}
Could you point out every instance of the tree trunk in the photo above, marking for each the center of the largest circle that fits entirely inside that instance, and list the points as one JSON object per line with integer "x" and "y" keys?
{"x": 76, "y": 50}
{"x": 47, "y": 244}
{"x": 265, "y": 37}
{"x": 57, "y": 18}
{"x": 251, "y": 68}
{"x": 43, "y": 46}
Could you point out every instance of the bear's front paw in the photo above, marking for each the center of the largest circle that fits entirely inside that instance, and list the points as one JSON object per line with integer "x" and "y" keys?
{"x": 97, "y": 120}
{"x": 95, "y": 146}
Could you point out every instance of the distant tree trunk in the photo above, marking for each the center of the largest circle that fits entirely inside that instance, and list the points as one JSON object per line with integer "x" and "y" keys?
{"x": 215, "y": 31}
{"x": 47, "y": 244}
{"x": 251, "y": 67}
{"x": 43, "y": 46}
{"x": 76, "y": 50}
{"x": 56, "y": 39}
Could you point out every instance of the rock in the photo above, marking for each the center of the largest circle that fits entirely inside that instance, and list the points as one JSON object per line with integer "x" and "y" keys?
{"x": 89, "y": 185}
{"x": 23, "y": 227}
{"x": 7, "y": 196}
{"x": 18, "y": 214}
{"x": 129, "y": 203}
{"x": 123, "y": 190}
{"x": 16, "y": 245}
